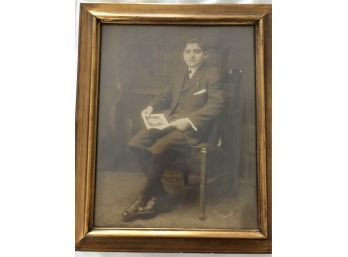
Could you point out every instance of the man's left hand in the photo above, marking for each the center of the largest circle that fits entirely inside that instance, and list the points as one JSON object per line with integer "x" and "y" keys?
{"x": 181, "y": 124}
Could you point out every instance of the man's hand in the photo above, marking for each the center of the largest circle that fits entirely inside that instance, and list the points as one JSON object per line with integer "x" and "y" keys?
{"x": 147, "y": 111}
{"x": 181, "y": 124}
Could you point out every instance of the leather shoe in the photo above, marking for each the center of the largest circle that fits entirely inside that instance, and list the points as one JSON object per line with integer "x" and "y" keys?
{"x": 132, "y": 212}
{"x": 153, "y": 206}
{"x": 150, "y": 208}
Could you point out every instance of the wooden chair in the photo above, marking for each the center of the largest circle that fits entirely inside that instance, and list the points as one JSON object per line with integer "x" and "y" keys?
{"x": 207, "y": 155}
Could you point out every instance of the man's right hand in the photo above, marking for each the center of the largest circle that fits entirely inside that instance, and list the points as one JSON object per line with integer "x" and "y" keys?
{"x": 147, "y": 111}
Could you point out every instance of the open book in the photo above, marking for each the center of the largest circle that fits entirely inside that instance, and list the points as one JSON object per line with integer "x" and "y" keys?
{"x": 156, "y": 121}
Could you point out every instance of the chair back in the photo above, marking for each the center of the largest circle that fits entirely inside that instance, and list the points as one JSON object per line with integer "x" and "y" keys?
{"x": 231, "y": 128}
{"x": 220, "y": 132}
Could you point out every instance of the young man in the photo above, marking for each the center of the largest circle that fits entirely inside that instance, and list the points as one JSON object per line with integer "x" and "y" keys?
{"x": 195, "y": 100}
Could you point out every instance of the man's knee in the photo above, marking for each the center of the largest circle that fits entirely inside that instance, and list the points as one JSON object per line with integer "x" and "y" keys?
{"x": 175, "y": 140}
{"x": 134, "y": 143}
{"x": 141, "y": 140}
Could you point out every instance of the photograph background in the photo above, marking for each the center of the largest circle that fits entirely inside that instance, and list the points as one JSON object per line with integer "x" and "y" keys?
{"x": 139, "y": 61}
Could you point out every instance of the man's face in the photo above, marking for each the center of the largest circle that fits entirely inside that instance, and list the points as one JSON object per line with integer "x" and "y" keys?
{"x": 194, "y": 56}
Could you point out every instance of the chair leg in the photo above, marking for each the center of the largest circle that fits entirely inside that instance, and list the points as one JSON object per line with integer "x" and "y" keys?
{"x": 203, "y": 183}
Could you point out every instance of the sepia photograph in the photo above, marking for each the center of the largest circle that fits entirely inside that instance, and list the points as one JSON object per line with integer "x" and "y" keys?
{"x": 173, "y": 128}
{"x": 176, "y": 130}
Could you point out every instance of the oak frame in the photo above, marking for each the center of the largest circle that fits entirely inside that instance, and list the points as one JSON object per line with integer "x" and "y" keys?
{"x": 168, "y": 240}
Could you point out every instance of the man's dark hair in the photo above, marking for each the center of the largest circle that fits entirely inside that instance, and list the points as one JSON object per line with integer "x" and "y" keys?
{"x": 196, "y": 41}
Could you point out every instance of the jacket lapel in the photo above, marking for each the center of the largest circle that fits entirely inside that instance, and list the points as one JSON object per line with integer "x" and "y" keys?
{"x": 200, "y": 72}
{"x": 195, "y": 81}
{"x": 179, "y": 83}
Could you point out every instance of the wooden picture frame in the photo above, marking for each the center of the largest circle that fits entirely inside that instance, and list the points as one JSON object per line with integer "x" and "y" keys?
{"x": 91, "y": 238}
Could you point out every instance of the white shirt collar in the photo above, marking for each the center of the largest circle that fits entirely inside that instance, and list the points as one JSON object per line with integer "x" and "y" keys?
{"x": 192, "y": 72}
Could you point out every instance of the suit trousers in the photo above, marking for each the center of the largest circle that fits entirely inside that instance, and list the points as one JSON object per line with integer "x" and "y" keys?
{"x": 161, "y": 148}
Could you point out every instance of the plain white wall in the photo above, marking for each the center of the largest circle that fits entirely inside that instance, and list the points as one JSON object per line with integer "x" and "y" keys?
{"x": 37, "y": 103}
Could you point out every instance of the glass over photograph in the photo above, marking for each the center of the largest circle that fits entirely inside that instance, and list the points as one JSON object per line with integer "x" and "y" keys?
{"x": 176, "y": 131}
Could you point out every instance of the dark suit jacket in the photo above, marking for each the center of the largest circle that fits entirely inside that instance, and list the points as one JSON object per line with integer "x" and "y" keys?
{"x": 202, "y": 109}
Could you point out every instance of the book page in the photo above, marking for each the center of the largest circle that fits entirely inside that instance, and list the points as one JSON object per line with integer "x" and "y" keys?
{"x": 156, "y": 121}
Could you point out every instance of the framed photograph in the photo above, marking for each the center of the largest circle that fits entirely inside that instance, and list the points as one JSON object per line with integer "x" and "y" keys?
{"x": 173, "y": 128}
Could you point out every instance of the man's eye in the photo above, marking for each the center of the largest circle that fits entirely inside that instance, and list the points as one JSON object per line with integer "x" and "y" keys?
{"x": 187, "y": 51}
{"x": 197, "y": 51}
